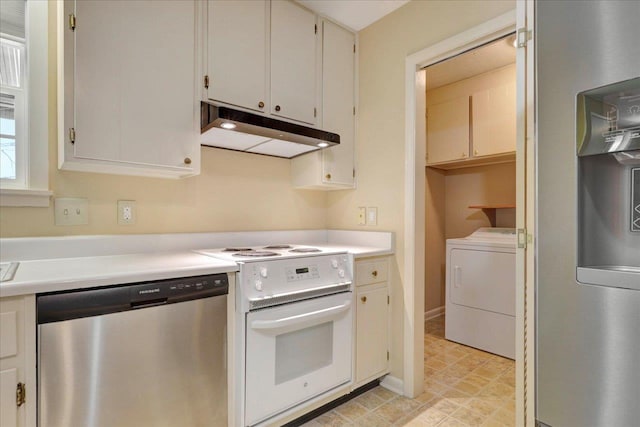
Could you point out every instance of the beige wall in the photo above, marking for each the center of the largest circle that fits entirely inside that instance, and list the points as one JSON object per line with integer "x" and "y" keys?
{"x": 435, "y": 223}
{"x": 383, "y": 49}
{"x": 236, "y": 191}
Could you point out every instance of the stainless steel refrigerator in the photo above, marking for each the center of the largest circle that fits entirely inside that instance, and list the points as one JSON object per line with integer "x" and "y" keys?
{"x": 588, "y": 213}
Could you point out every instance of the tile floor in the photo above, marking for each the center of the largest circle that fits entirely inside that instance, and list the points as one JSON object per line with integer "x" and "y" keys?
{"x": 463, "y": 387}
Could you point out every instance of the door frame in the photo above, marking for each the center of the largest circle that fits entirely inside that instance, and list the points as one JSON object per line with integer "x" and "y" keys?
{"x": 414, "y": 220}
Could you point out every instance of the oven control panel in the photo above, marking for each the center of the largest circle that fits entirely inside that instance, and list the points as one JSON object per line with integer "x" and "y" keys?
{"x": 302, "y": 273}
{"x": 273, "y": 278}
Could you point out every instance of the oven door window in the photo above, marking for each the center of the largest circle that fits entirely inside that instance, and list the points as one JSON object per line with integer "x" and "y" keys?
{"x": 301, "y": 352}
{"x": 295, "y": 352}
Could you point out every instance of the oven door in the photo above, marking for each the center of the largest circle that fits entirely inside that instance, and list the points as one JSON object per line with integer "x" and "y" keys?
{"x": 295, "y": 352}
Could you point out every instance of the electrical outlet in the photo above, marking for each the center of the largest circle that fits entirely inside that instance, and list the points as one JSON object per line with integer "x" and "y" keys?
{"x": 362, "y": 216}
{"x": 71, "y": 211}
{"x": 126, "y": 212}
{"x": 372, "y": 216}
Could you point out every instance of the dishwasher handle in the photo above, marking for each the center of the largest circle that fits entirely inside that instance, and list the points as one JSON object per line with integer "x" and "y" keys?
{"x": 60, "y": 306}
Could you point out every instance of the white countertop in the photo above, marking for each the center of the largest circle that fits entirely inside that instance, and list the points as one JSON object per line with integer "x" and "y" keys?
{"x": 51, "y": 264}
{"x": 85, "y": 272}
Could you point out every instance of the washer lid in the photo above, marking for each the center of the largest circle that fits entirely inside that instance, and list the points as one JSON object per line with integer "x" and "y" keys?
{"x": 494, "y": 236}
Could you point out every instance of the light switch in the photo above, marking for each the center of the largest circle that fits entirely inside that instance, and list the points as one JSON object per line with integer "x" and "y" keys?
{"x": 71, "y": 211}
{"x": 372, "y": 216}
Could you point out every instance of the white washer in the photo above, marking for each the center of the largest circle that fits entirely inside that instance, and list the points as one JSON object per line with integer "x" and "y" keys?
{"x": 481, "y": 289}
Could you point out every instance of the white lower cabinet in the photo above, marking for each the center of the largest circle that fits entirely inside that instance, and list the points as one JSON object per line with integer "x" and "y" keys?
{"x": 372, "y": 321}
{"x": 17, "y": 362}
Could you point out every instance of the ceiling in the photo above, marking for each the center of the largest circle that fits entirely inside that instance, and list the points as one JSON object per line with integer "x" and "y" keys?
{"x": 468, "y": 64}
{"x": 355, "y": 14}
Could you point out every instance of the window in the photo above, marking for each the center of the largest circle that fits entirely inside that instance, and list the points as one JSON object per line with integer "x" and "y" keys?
{"x": 23, "y": 103}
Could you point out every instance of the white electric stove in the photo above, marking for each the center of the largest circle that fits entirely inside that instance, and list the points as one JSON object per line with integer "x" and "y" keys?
{"x": 294, "y": 313}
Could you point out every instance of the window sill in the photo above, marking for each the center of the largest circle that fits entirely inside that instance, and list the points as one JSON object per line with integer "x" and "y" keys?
{"x": 25, "y": 198}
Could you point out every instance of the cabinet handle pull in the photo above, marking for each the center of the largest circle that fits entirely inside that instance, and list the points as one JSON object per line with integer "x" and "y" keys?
{"x": 328, "y": 176}
{"x": 475, "y": 152}
{"x": 374, "y": 273}
{"x": 187, "y": 161}
{"x": 363, "y": 299}
{"x": 260, "y": 104}
{"x": 277, "y": 108}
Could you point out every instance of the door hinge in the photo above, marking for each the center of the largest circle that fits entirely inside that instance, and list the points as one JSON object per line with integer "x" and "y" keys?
{"x": 21, "y": 395}
{"x": 354, "y": 48}
{"x": 72, "y": 22}
{"x": 388, "y": 299}
{"x": 354, "y": 173}
{"x": 522, "y": 36}
{"x": 354, "y": 110}
{"x": 72, "y": 135}
{"x": 315, "y": 29}
{"x": 523, "y": 238}
{"x": 315, "y": 112}
{"x": 387, "y": 355}
{"x": 206, "y": 82}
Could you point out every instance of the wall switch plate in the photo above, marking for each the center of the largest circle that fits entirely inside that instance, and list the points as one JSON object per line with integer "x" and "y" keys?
{"x": 126, "y": 212}
{"x": 362, "y": 216}
{"x": 372, "y": 216}
{"x": 71, "y": 211}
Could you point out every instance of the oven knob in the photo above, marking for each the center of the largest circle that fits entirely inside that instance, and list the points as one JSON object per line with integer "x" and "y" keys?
{"x": 263, "y": 272}
{"x": 334, "y": 263}
{"x": 258, "y": 285}
{"x": 341, "y": 273}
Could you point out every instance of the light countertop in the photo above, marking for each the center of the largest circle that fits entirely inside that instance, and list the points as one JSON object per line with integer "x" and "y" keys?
{"x": 59, "y": 274}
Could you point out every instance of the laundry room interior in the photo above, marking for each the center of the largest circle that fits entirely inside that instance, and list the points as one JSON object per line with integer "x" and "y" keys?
{"x": 470, "y": 211}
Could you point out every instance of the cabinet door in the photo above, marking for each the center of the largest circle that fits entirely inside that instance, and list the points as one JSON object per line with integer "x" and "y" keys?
{"x": 293, "y": 62}
{"x": 371, "y": 331}
{"x": 8, "y": 409}
{"x": 494, "y": 120}
{"x": 338, "y": 62}
{"x": 448, "y": 130}
{"x": 134, "y": 90}
{"x": 237, "y": 49}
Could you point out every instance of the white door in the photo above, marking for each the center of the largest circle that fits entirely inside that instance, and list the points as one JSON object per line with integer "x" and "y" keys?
{"x": 237, "y": 56}
{"x": 134, "y": 82}
{"x": 293, "y": 62}
{"x": 372, "y": 337}
{"x": 338, "y": 62}
{"x": 8, "y": 409}
{"x": 295, "y": 352}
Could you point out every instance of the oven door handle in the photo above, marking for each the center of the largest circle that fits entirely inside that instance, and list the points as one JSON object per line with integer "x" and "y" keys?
{"x": 301, "y": 319}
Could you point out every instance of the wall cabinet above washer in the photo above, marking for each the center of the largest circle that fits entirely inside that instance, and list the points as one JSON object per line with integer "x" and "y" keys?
{"x": 473, "y": 121}
{"x": 261, "y": 56}
{"x": 128, "y": 88}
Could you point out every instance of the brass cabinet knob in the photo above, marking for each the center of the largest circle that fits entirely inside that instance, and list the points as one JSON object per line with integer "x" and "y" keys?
{"x": 463, "y": 155}
{"x": 187, "y": 161}
{"x": 277, "y": 108}
{"x": 475, "y": 152}
{"x": 363, "y": 299}
{"x": 260, "y": 104}
{"x": 328, "y": 176}
{"x": 374, "y": 273}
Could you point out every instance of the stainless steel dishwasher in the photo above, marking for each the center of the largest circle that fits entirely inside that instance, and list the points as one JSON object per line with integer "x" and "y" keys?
{"x": 144, "y": 354}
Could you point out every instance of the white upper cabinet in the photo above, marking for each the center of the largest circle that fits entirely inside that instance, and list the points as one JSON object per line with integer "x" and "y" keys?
{"x": 448, "y": 130}
{"x": 237, "y": 53}
{"x": 494, "y": 120}
{"x": 293, "y": 62}
{"x": 333, "y": 168}
{"x": 130, "y": 104}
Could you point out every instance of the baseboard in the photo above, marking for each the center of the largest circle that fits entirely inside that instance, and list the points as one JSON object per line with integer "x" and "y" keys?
{"x": 433, "y": 313}
{"x": 394, "y": 384}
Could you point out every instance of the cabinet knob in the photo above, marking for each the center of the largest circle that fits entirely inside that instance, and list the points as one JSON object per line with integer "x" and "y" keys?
{"x": 187, "y": 161}
{"x": 260, "y": 104}
{"x": 463, "y": 155}
{"x": 363, "y": 299}
{"x": 328, "y": 176}
{"x": 374, "y": 273}
{"x": 475, "y": 152}
{"x": 277, "y": 108}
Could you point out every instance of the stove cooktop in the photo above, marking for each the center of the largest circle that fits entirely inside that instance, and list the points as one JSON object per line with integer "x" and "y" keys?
{"x": 257, "y": 253}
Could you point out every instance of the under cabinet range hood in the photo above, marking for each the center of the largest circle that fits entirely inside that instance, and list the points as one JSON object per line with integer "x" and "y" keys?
{"x": 225, "y": 127}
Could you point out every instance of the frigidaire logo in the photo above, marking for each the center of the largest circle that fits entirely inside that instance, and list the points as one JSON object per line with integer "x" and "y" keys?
{"x": 149, "y": 291}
